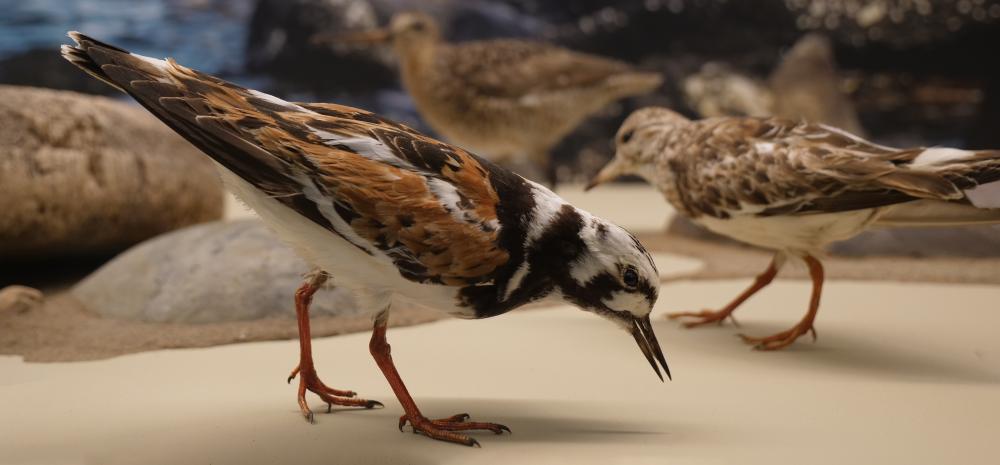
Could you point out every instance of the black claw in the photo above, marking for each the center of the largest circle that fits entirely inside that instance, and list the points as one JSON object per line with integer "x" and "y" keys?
{"x": 374, "y": 403}
{"x": 463, "y": 416}
{"x": 290, "y": 378}
{"x": 329, "y": 408}
{"x": 310, "y": 419}
{"x": 504, "y": 428}
{"x": 474, "y": 443}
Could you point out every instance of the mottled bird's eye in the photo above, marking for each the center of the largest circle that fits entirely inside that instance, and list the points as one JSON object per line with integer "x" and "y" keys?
{"x": 630, "y": 277}
{"x": 627, "y": 137}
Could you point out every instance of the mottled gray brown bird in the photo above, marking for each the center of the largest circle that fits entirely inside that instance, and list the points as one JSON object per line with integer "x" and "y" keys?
{"x": 794, "y": 187}
{"x": 510, "y": 100}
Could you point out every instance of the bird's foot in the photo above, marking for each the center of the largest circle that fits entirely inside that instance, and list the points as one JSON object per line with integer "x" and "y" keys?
{"x": 780, "y": 340}
{"x": 309, "y": 381}
{"x": 444, "y": 429}
{"x": 703, "y": 317}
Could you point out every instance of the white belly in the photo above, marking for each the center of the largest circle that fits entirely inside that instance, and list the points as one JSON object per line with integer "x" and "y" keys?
{"x": 797, "y": 234}
{"x": 371, "y": 276}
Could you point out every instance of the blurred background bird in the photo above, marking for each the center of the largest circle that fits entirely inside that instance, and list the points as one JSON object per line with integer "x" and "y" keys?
{"x": 794, "y": 187}
{"x": 511, "y": 100}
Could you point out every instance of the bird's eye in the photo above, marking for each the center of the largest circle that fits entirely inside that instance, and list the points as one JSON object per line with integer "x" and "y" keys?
{"x": 630, "y": 277}
{"x": 418, "y": 26}
{"x": 627, "y": 137}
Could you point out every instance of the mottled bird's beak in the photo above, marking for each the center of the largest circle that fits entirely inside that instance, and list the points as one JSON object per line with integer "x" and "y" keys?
{"x": 369, "y": 37}
{"x": 610, "y": 171}
{"x": 642, "y": 331}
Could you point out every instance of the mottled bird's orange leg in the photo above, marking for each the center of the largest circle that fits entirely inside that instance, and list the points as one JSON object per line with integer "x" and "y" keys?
{"x": 785, "y": 338}
{"x": 443, "y": 429}
{"x": 709, "y": 316}
{"x": 309, "y": 380}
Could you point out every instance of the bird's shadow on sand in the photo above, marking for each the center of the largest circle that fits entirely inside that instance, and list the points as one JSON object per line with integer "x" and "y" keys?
{"x": 833, "y": 350}
{"x": 371, "y": 436}
{"x": 545, "y": 421}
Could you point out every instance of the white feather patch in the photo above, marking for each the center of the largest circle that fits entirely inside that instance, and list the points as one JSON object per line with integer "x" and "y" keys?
{"x": 985, "y": 196}
{"x": 515, "y": 280}
{"x": 940, "y": 156}
{"x": 373, "y": 149}
{"x": 547, "y": 205}
{"x": 325, "y": 206}
{"x": 159, "y": 64}
{"x": 447, "y": 194}
{"x": 277, "y": 101}
{"x": 764, "y": 148}
{"x": 586, "y": 268}
{"x": 632, "y": 302}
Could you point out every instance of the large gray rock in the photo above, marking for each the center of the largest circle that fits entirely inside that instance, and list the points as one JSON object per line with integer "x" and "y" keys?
{"x": 216, "y": 272}
{"x": 83, "y": 175}
{"x": 284, "y": 41}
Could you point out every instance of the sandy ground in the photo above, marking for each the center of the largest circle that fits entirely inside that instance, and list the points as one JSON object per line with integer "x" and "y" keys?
{"x": 900, "y": 374}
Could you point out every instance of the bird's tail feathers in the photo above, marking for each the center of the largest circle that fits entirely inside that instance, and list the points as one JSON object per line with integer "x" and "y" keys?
{"x": 96, "y": 57}
{"x": 933, "y": 213}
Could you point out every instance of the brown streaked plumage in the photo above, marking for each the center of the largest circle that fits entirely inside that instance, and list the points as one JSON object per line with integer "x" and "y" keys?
{"x": 795, "y": 187}
{"x": 511, "y": 100}
{"x": 392, "y": 214}
{"x": 393, "y": 209}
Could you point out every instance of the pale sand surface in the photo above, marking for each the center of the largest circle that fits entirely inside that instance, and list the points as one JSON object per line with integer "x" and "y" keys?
{"x": 902, "y": 373}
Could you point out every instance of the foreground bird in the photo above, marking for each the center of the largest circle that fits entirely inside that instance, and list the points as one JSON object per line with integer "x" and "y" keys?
{"x": 391, "y": 214}
{"x": 511, "y": 100}
{"x": 795, "y": 187}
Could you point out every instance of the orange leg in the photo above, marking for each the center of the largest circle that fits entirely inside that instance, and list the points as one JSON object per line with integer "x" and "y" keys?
{"x": 443, "y": 429}
{"x": 309, "y": 380}
{"x": 785, "y": 338}
{"x": 709, "y": 316}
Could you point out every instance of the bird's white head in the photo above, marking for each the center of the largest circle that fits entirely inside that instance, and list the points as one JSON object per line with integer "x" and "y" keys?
{"x": 642, "y": 142}
{"x": 610, "y": 274}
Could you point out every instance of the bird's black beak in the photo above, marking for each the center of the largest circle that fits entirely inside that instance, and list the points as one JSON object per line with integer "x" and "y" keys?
{"x": 642, "y": 331}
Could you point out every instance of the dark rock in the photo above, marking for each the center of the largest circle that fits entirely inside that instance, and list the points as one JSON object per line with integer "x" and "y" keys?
{"x": 46, "y": 68}
{"x": 896, "y": 23}
{"x": 281, "y": 43}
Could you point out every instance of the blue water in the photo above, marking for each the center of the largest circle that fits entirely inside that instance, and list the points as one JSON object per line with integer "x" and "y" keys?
{"x": 204, "y": 34}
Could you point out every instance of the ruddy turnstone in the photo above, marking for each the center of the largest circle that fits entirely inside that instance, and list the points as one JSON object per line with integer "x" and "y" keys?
{"x": 392, "y": 213}
{"x": 511, "y": 100}
{"x": 795, "y": 187}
